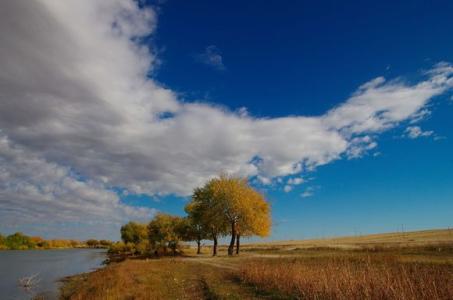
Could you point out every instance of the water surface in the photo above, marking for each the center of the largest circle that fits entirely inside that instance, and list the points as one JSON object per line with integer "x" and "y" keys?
{"x": 49, "y": 265}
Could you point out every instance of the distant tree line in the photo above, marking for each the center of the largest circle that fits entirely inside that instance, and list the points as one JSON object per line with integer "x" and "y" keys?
{"x": 223, "y": 206}
{"x": 20, "y": 241}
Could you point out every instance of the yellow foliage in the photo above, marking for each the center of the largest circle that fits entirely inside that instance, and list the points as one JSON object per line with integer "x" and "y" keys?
{"x": 235, "y": 201}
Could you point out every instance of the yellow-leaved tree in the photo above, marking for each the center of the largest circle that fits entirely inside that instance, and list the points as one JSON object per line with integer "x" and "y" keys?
{"x": 230, "y": 205}
{"x": 206, "y": 211}
{"x": 244, "y": 209}
{"x": 256, "y": 220}
{"x": 163, "y": 233}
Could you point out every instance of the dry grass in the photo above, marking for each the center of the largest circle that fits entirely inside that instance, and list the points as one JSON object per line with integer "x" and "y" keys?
{"x": 417, "y": 265}
{"x": 136, "y": 279}
{"x": 361, "y": 277}
{"x": 382, "y": 240}
{"x": 156, "y": 279}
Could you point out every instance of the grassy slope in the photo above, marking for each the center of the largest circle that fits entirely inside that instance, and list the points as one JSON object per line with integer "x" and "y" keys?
{"x": 204, "y": 277}
{"x": 414, "y": 238}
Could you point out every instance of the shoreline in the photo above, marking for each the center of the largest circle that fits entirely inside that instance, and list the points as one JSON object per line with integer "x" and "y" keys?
{"x": 68, "y": 285}
{"x": 246, "y": 276}
{"x": 63, "y": 248}
{"x": 249, "y": 275}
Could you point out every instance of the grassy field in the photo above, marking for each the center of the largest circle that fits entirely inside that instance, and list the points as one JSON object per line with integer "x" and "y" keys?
{"x": 416, "y": 265}
{"x": 382, "y": 240}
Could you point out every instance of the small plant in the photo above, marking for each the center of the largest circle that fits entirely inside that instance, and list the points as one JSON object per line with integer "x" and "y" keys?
{"x": 29, "y": 283}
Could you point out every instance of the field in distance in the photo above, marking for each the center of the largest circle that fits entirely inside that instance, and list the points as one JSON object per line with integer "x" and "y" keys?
{"x": 381, "y": 241}
{"x": 409, "y": 265}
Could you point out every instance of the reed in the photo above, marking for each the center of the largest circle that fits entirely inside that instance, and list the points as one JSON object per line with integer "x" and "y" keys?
{"x": 350, "y": 278}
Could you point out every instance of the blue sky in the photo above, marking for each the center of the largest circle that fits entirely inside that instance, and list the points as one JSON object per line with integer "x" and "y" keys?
{"x": 307, "y": 56}
{"x": 340, "y": 113}
{"x": 303, "y": 58}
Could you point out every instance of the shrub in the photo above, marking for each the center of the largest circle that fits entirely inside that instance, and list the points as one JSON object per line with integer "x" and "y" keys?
{"x": 105, "y": 243}
{"x": 19, "y": 241}
{"x": 122, "y": 248}
{"x": 92, "y": 243}
{"x": 117, "y": 248}
{"x": 143, "y": 248}
{"x": 2, "y": 242}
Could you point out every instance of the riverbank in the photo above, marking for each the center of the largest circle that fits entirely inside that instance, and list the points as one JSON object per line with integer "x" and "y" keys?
{"x": 320, "y": 274}
{"x": 20, "y": 241}
{"x": 421, "y": 269}
{"x": 165, "y": 278}
{"x": 53, "y": 248}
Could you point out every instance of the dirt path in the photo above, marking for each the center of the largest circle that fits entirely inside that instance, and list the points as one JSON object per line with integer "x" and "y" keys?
{"x": 230, "y": 263}
{"x": 214, "y": 263}
{"x": 193, "y": 277}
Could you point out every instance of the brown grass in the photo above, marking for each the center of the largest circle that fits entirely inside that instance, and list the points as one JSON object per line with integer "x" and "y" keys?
{"x": 416, "y": 265}
{"x": 362, "y": 277}
{"x": 136, "y": 279}
{"x": 381, "y": 240}
{"x": 163, "y": 278}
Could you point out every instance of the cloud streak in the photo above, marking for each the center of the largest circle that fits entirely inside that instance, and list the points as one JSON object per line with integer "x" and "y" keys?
{"x": 75, "y": 97}
{"x": 414, "y": 132}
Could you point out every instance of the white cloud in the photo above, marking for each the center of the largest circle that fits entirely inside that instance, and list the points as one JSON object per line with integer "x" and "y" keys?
{"x": 414, "y": 132}
{"x": 74, "y": 95}
{"x": 309, "y": 191}
{"x": 359, "y": 146}
{"x": 264, "y": 180}
{"x": 419, "y": 116}
{"x": 295, "y": 181}
{"x": 306, "y": 194}
{"x": 380, "y": 105}
{"x": 291, "y": 182}
{"x": 211, "y": 57}
{"x": 287, "y": 188}
{"x": 33, "y": 190}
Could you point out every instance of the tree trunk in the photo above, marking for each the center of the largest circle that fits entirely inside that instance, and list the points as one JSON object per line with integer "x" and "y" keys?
{"x": 233, "y": 239}
{"x": 214, "y": 249}
{"x": 238, "y": 243}
{"x": 198, "y": 247}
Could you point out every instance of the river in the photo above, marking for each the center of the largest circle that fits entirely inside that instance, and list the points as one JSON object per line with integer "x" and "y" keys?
{"x": 48, "y": 265}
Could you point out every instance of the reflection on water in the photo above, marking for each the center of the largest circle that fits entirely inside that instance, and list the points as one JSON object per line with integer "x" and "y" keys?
{"x": 47, "y": 267}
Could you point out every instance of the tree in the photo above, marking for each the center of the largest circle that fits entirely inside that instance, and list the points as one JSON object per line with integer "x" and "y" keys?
{"x": 256, "y": 220}
{"x": 208, "y": 213}
{"x": 19, "y": 241}
{"x": 117, "y": 247}
{"x": 92, "y": 243}
{"x": 39, "y": 242}
{"x": 230, "y": 193}
{"x": 2, "y": 242}
{"x": 142, "y": 248}
{"x": 190, "y": 229}
{"x": 103, "y": 243}
{"x": 243, "y": 208}
{"x": 75, "y": 243}
{"x": 163, "y": 233}
{"x": 133, "y": 232}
